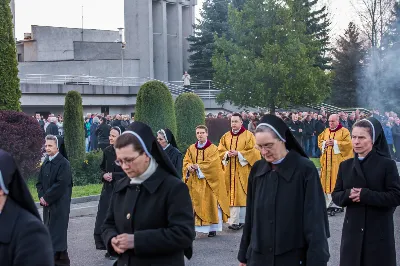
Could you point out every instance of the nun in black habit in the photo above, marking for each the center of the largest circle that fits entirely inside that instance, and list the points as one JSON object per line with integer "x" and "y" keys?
{"x": 286, "y": 220}
{"x": 54, "y": 188}
{"x": 24, "y": 240}
{"x": 150, "y": 219}
{"x": 369, "y": 186}
{"x": 110, "y": 174}
{"x": 167, "y": 141}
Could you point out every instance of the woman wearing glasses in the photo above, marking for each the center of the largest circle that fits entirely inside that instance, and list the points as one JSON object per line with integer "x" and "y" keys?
{"x": 150, "y": 218}
{"x": 111, "y": 173}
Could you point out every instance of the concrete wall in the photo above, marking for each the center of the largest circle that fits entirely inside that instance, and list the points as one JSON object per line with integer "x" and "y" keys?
{"x": 55, "y": 43}
{"x": 99, "y": 68}
{"x": 86, "y": 109}
{"x": 97, "y": 51}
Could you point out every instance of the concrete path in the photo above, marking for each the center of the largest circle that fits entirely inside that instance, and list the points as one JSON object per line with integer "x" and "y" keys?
{"x": 218, "y": 251}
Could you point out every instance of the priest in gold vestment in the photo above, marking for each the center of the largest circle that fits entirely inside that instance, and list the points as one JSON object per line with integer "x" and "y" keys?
{"x": 238, "y": 154}
{"x": 204, "y": 176}
{"x": 335, "y": 145}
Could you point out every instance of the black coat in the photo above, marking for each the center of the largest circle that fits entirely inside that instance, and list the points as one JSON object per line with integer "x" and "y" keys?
{"x": 103, "y": 134}
{"x": 24, "y": 240}
{"x": 159, "y": 213}
{"x": 286, "y": 220}
{"x": 309, "y": 128}
{"x": 176, "y": 158}
{"x": 320, "y": 127}
{"x": 107, "y": 166}
{"x": 368, "y": 230}
{"x": 52, "y": 129}
{"x": 93, "y": 137}
{"x": 55, "y": 186}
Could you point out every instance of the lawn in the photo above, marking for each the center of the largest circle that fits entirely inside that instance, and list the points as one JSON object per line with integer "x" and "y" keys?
{"x": 78, "y": 191}
{"x": 316, "y": 162}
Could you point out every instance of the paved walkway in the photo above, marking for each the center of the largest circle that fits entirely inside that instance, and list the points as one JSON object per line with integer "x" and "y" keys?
{"x": 218, "y": 251}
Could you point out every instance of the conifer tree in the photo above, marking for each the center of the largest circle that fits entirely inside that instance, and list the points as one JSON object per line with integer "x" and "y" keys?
{"x": 347, "y": 64}
{"x": 10, "y": 92}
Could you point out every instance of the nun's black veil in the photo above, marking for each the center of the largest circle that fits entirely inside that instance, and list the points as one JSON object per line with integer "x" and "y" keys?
{"x": 170, "y": 137}
{"x": 15, "y": 184}
{"x": 150, "y": 141}
{"x": 380, "y": 143}
{"x": 283, "y": 130}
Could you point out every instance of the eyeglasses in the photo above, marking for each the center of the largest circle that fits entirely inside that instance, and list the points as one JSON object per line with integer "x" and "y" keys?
{"x": 266, "y": 147}
{"x": 127, "y": 161}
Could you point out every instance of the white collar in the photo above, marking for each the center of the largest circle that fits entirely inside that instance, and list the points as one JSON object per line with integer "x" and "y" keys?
{"x": 166, "y": 147}
{"x": 201, "y": 145}
{"x": 149, "y": 171}
{"x": 52, "y": 157}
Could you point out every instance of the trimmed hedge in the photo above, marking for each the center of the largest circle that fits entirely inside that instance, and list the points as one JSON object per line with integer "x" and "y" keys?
{"x": 217, "y": 127}
{"x": 155, "y": 106}
{"x": 88, "y": 171}
{"x": 189, "y": 109}
{"x": 10, "y": 92}
{"x": 21, "y": 135}
{"x": 74, "y": 132}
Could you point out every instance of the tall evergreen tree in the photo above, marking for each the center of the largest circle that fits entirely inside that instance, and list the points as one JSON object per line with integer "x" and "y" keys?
{"x": 317, "y": 23}
{"x": 347, "y": 64}
{"x": 10, "y": 92}
{"x": 271, "y": 61}
{"x": 214, "y": 20}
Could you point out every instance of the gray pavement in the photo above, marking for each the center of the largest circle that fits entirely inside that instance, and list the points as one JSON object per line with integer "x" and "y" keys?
{"x": 218, "y": 251}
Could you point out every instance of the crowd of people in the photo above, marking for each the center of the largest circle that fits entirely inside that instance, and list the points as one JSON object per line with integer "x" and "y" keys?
{"x": 154, "y": 199}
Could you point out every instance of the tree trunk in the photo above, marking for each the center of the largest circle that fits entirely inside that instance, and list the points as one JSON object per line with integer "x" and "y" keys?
{"x": 272, "y": 107}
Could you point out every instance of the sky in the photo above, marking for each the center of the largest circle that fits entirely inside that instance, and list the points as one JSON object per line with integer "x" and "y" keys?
{"x": 100, "y": 14}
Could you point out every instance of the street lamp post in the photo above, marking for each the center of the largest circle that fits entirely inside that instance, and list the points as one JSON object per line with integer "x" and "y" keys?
{"x": 121, "y": 34}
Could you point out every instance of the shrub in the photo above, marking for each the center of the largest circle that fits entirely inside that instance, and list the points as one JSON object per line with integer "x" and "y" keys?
{"x": 88, "y": 171}
{"x": 155, "y": 106}
{"x": 189, "y": 109}
{"x": 10, "y": 92}
{"x": 22, "y": 136}
{"x": 74, "y": 133}
{"x": 217, "y": 127}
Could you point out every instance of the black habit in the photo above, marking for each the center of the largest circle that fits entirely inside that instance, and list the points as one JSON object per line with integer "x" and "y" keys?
{"x": 55, "y": 186}
{"x": 368, "y": 229}
{"x": 176, "y": 157}
{"x": 158, "y": 212}
{"x": 21, "y": 228}
{"x": 286, "y": 221}
{"x": 107, "y": 166}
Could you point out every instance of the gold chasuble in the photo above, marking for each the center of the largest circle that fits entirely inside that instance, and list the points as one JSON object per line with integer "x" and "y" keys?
{"x": 237, "y": 169}
{"x": 207, "y": 186}
{"x": 332, "y": 156}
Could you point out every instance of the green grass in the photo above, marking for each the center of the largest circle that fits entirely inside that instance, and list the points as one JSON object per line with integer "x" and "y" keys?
{"x": 78, "y": 191}
{"x": 316, "y": 162}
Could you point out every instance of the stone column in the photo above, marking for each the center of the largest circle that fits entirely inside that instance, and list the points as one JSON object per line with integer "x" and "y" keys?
{"x": 139, "y": 35}
{"x": 174, "y": 28}
{"x": 188, "y": 17}
{"x": 160, "y": 40}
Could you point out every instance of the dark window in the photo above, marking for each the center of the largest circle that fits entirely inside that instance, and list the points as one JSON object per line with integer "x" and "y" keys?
{"x": 105, "y": 110}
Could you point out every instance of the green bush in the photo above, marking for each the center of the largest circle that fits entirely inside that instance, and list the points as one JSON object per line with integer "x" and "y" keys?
{"x": 189, "y": 109}
{"x": 10, "y": 92}
{"x": 155, "y": 106}
{"x": 88, "y": 171}
{"x": 74, "y": 132}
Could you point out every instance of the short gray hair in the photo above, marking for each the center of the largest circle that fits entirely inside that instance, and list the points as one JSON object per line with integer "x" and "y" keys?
{"x": 52, "y": 137}
{"x": 96, "y": 119}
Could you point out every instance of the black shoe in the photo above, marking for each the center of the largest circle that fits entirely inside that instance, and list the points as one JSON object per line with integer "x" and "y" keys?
{"x": 234, "y": 227}
{"x": 63, "y": 259}
{"x": 100, "y": 246}
{"x": 212, "y": 234}
{"x": 331, "y": 211}
{"x": 241, "y": 225}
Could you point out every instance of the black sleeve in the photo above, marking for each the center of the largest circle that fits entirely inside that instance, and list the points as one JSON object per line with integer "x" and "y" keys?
{"x": 109, "y": 229}
{"x": 103, "y": 166}
{"x": 57, "y": 190}
{"x": 246, "y": 236}
{"x": 179, "y": 163}
{"x": 33, "y": 246}
{"x": 39, "y": 184}
{"x": 179, "y": 232}
{"x": 340, "y": 196}
{"x": 316, "y": 225}
{"x": 388, "y": 198}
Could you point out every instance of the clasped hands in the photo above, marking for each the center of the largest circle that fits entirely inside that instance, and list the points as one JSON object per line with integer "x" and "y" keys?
{"x": 232, "y": 153}
{"x": 355, "y": 194}
{"x": 122, "y": 243}
{"x": 43, "y": 202}
{"x": 193, "y": 167}
{"x": 108, "y": 177}
{"x": 330, "y": 142}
